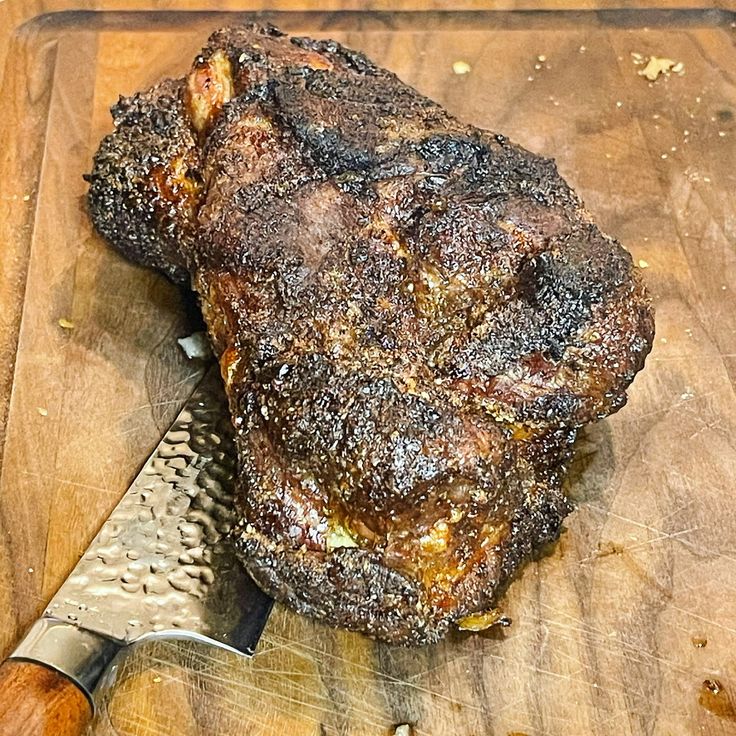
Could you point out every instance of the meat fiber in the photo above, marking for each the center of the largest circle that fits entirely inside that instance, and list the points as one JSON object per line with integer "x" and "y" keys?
{"x": 413, "y": 318}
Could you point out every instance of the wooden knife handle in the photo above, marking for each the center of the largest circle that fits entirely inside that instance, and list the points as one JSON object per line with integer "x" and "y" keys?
{"x": 38, "y": 701}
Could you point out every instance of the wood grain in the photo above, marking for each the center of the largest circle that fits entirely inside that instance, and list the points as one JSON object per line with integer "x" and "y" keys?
{"x": 603, "y": 627}
{"x": 37, "y": 701}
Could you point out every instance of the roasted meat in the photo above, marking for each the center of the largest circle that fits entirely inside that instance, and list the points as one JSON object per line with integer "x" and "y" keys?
{"x": 413, "y": 317}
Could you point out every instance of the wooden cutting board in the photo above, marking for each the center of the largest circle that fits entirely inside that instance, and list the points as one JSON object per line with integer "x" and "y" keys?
{"x": 616, "y": 630}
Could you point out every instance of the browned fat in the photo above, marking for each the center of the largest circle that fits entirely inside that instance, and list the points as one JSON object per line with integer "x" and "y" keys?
{"x": 209, "y": 87}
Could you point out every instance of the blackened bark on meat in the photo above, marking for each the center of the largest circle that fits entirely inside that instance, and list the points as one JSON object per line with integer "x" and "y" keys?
{"x": 413, "y": 318}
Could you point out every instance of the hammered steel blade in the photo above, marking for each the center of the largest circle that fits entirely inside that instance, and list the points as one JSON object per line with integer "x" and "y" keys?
{"x": 161, "y": 564}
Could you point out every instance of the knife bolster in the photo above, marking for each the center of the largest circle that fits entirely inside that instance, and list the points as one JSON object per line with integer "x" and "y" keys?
{"x": 80, "y": 655}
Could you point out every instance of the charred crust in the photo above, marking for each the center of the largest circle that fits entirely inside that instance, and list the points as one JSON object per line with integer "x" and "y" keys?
{"x": 123, "y": 201}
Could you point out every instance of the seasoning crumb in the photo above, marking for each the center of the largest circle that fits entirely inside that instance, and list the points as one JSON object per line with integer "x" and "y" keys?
{"x": 461, "y": 67}
{"x": 699, "y": 642}
{"x": 66, "y": 324}
{"x": 30, "y": 569}
{"x": 542, "y": 58}
{"x": 26, "y": 197}
{"x": 687, "y": 394}
{"x": 582, "y": 49}
{"x": 657, "y": 65}
{"x": 43, "y": 412}
{"x": 643, "y": 263}
{"x": 157, "y": 679}
{"x": 663, "y": 340}
{"x": 403, "y": 729}
{"x": 619, "y": 103}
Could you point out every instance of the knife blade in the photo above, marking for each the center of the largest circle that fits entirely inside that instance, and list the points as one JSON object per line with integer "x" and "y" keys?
{"x": 161, "y": 565}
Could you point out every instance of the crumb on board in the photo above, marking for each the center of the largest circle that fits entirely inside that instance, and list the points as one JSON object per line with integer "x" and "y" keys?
{"x": 654, "y": 66}
{"x": 30, "y": 570}
{"x": 403, "y": 729}
{"x": 608, "y": 548}
{"x": 196, "y": 345}
{"x": 483, "y": 621}
{"x": 42, "y": 411}
{"x": 461, "y": 67}
{"x": 66, "y": 324}
{"x": 643, "y": 263}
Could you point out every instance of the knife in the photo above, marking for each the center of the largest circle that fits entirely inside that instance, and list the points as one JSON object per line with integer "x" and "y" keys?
{"x": 160, "y": 566}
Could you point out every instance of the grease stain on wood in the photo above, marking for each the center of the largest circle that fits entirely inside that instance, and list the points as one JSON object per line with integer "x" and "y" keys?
{"x": 714, "y": 697}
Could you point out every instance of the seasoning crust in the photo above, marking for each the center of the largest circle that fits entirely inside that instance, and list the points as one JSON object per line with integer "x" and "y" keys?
{"x": 413, "y": 318}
